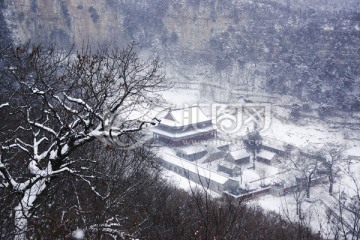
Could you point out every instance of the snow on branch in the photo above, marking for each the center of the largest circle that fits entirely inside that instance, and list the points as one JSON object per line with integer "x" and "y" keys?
{"x": 35, "y": 170}
{"x": 56, "y": 118}
{"x": 3, "y": 182}
{"x": 37, "y": 91}
{"x": 67, "y": 108}
{"x": 80, "y": 102}
{"x": 84, "y": 104}
{"x": 116, "y": 132}
{"x": 91, "y": 186}
{"x": 41, "y": 126}
{"x": 22, "y": 145}
{"x": 112, "y": 229}
{"x": 4, "y": 105}
{"x": 9, "y": 180}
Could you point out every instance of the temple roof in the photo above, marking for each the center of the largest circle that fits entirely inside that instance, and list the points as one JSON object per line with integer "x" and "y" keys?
{"x": 239, "y": 154}
{"x": 266, "y": 154}
{"x": 184, "y": 117}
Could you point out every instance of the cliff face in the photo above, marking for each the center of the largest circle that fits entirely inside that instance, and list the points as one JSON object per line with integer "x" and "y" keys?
{"x": 178, "y": 31}
{"x": 296, "y": 47}
{"x": 4, "y": 30}
{"x": 190, "y": 23}
{"x": 64, "y": 22}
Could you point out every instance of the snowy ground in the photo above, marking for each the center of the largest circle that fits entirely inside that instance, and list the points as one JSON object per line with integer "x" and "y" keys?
{"x": 179, "y": 97}
{"x": 310, "y": 134}
{"x": 183, "y": 183}
{"x": 313, "y": 135}
{"x": 250, "y": 179}
{"x": 313, "y": 210}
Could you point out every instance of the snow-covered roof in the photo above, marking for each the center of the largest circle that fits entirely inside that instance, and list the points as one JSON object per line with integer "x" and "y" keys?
{"x": 217, "y": 143}
{"x": 239, "y": 154}
{"x": 215, "y": 156}
{"x": 355, "y": 151}
{"x": 212, "y": 146}
{"x": 249, "y": 176}
{"x": 182, "y": 134}
{"x": 274, "y": 143}
{"x": 201, "y": 171}
{"x": 266, "y": 154}
{"x": 191, "y": 149}
{"x": 184, "y": 117}
{"x": 228, "y": 165}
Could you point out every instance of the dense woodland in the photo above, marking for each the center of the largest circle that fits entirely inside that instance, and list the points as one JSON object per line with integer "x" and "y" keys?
{"x": 301, "y": 57}
{"x": 308, "y": 53}
{"x": 140, "y": 206}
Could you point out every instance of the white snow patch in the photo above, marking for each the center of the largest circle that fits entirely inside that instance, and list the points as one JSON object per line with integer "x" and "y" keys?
{"x": 313, "y": 212}
{"x": 328, "y": 28}
{"x": 180, "y": 97}
{"x": 313, "y": 135}
{"x": 64, "y": 149}
{"x": 185, "y": 183}
{"x": 4, "y": 105}
{"x": 78, "y": 234}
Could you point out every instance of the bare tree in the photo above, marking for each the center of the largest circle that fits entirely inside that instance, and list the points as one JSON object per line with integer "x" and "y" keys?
{"x": 299, "y": 197}
{"x": 121, "y": 176}
{"x": 345, "y": 214}
{"x": 61, "y": 101}
{"x": 305, "y": 168}
{"x": 332, "y": 159}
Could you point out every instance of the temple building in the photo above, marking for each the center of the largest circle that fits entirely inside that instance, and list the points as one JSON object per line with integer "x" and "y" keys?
{"x": 184, "y": 126}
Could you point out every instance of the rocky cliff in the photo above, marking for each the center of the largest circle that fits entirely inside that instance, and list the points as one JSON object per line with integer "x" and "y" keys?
{"x": 188, "y": 22}
{"x": 304, "y": 48}
{"x": 64, "y": 22}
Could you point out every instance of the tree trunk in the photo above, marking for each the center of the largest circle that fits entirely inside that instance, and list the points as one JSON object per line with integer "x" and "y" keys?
{"x": 23, "y": 209}
{"x": 297, "y": 207}
{"x": 308, "y": 186}
{"x": 331, "y": 184}
{"x": 254, "y": 158}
